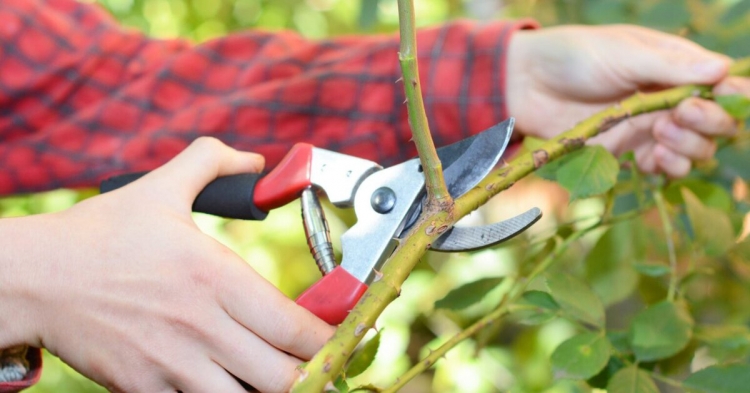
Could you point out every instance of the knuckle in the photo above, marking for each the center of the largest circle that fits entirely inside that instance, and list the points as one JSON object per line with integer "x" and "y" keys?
{"x": 290, "y": 334}
{"x": 209, "y": 146}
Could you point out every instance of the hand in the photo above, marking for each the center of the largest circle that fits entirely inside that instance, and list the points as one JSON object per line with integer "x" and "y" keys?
{"x": 560, "y": 76}
{"x": 126, "y": 289}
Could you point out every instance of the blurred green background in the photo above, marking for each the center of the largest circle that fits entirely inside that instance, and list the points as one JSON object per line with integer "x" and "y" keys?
{"x": 518, "y": 360}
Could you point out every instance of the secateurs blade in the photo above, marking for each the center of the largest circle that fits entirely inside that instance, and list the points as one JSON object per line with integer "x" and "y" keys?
{"x": 386, "y": 201}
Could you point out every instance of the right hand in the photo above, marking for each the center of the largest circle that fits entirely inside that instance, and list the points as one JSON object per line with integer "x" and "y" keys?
{"x": 127, "y": 290}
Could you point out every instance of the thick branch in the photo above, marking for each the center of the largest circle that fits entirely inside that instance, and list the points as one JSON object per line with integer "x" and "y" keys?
{"x": 329, "y": 362}
{"x": 437, "y": 193}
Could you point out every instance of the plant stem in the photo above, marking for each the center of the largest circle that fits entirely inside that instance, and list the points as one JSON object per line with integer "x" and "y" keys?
{"x": 437, "y": 192}
{"x": 669, "y": 234}
{"x": 329, "y": 361}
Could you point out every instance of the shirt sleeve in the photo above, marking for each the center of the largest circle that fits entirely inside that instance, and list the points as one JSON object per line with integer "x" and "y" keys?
{"x": 82, "y": 99}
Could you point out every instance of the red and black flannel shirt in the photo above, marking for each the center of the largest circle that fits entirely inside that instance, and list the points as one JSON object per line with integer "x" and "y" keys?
{"x": 82, "y": 99}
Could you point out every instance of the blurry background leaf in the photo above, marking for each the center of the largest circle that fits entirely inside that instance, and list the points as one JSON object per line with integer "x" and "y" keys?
{"x": 581, "y": 356}
{"x": 712, "y": 228}
{"x": 468, "y": 294}
{"x": 660, "y": 331}
{"x": 738, "y": 106}
{"x": 576, "y": 298}
{"x": 632, "y": 380}
{"x": 720, "y": 379}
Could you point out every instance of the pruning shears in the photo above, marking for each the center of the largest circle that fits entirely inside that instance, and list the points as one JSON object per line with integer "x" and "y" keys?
{"x": 387, "y": 203}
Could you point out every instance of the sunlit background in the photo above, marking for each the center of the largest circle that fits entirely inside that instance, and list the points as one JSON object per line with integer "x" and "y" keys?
{"x": 518, "y": 359}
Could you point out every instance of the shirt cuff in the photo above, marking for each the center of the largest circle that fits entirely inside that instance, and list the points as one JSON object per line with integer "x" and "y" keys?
{"x": 33, "y": 373}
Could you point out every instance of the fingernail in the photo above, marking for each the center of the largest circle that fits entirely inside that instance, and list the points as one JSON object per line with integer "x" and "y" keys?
{"x": 711, "y": 68}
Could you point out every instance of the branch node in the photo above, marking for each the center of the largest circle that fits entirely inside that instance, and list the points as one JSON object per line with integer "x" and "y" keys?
{"x": 540, "y": 158}
{"x": 361, "y": 328}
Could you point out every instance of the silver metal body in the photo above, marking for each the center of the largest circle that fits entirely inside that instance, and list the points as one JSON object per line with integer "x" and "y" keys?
{"x": 368, "y": 243}
{"x": 339, "y": 175}
{"x": 316, "y": 231}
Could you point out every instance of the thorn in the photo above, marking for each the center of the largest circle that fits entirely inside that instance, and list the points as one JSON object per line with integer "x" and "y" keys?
{"x": 327, "y": 367}
{"x": 303, "y": 374}
{"x": 406, "y": 101}
{"x": 399, "y": 80}
{"x": 378, "y": 275}
{"x": 413, "y": 82}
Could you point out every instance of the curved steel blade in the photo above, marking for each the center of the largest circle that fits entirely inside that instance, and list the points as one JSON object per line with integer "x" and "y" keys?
{"x": 474, "y": 238}
{"x": 467, "y": 162}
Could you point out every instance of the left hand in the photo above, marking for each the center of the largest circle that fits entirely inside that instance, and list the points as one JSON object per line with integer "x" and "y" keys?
{"x": 559, "y": 76}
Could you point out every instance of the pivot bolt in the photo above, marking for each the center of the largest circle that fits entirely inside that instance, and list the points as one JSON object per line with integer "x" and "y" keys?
{"x": 383, "y": 200}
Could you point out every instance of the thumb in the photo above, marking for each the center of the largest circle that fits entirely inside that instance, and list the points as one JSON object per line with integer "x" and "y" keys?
{"x": 204, "y": 160}
{"x": 673, "y": 61}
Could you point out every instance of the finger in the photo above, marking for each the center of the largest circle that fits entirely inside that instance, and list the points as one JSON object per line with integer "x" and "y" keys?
{"x": 263, "y": 309}
{"x": 656, "y": 58}
{"x": 671, "y": 163}
{"x": 733, "y": 85}
{"x": 683, "y": 141}
{"x": 210, "y": 378}
{"x": 253, "y": 360}
{"x": 199, "y": 164}
{"x": 705, "y": 117}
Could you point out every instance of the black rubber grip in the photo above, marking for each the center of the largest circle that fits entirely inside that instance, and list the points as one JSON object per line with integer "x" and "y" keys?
{"x": 229, "y": 196}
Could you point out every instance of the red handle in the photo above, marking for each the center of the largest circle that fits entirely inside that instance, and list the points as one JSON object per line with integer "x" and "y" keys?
{"x": 285, "y": 182}
{"x": 333, "y": 296}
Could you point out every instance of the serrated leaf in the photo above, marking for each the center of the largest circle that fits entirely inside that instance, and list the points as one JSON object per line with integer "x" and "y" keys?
{"x": 660, "y": 331}
{"x": 737, "y": 105}
{"x": 575, "y": 298}
{"x": 652, "y": 269}
{"x": 720, "y": 379}
{"x": 736, "y": 12}
{"x": 581, "y": 356}
{"x": 712, "y": 229}
{"x": 468, "y": 294}
{"x": 609, "y": 265}
{"x": 589, "y": 171}
{"x": 632, "y": 380}
{"x": 362, "y": 360}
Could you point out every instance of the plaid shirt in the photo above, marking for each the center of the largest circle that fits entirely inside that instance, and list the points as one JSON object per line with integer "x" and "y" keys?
{"x": 82, "y": 99}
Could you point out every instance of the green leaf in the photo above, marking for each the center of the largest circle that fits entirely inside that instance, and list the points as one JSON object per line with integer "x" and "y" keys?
{"x": 609, "y": 265}
{"x": 540, "y": 299}
{"x": 632, "y": 380}
{"x": 581, "y": 356}
{"x": 711, "y": 227}
{"x": 652, "y": 269}
{"x": 737, "y": 105}
{"x": 361, "y": 361}
{"x": 725, "y": 342}
{"x": 339, "y": 386}
{"x": 468, "y": 294}
{"x": 589, "y": 171}
{"x": 720, "y": 379}
{"x": 546, "y": 309}
{"x": 575, "y": 298}
{"x": 736, "y": 12}
{"x": 660, "y": 331}
{"x": 710, "y": 194}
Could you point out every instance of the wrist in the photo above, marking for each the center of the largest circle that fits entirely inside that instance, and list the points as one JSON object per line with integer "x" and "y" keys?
{"x": 24, "y": 242}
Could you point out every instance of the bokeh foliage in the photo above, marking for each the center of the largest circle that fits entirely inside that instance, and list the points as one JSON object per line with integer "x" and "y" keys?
{"x": 621, "y": 268}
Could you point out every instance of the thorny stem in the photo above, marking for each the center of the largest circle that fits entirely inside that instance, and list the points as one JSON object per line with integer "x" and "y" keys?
{"x": 329, "y": 361}
{"x": 669, "y": 235}
{"x": 437, "y": 192}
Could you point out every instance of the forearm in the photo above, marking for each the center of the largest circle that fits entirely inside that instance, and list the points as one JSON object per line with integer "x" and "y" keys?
{"x": 117, "y": 101}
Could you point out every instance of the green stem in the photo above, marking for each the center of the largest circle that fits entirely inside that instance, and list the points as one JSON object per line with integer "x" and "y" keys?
{"x": 437, "y": 192}
{"x": 669, "y": 234}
